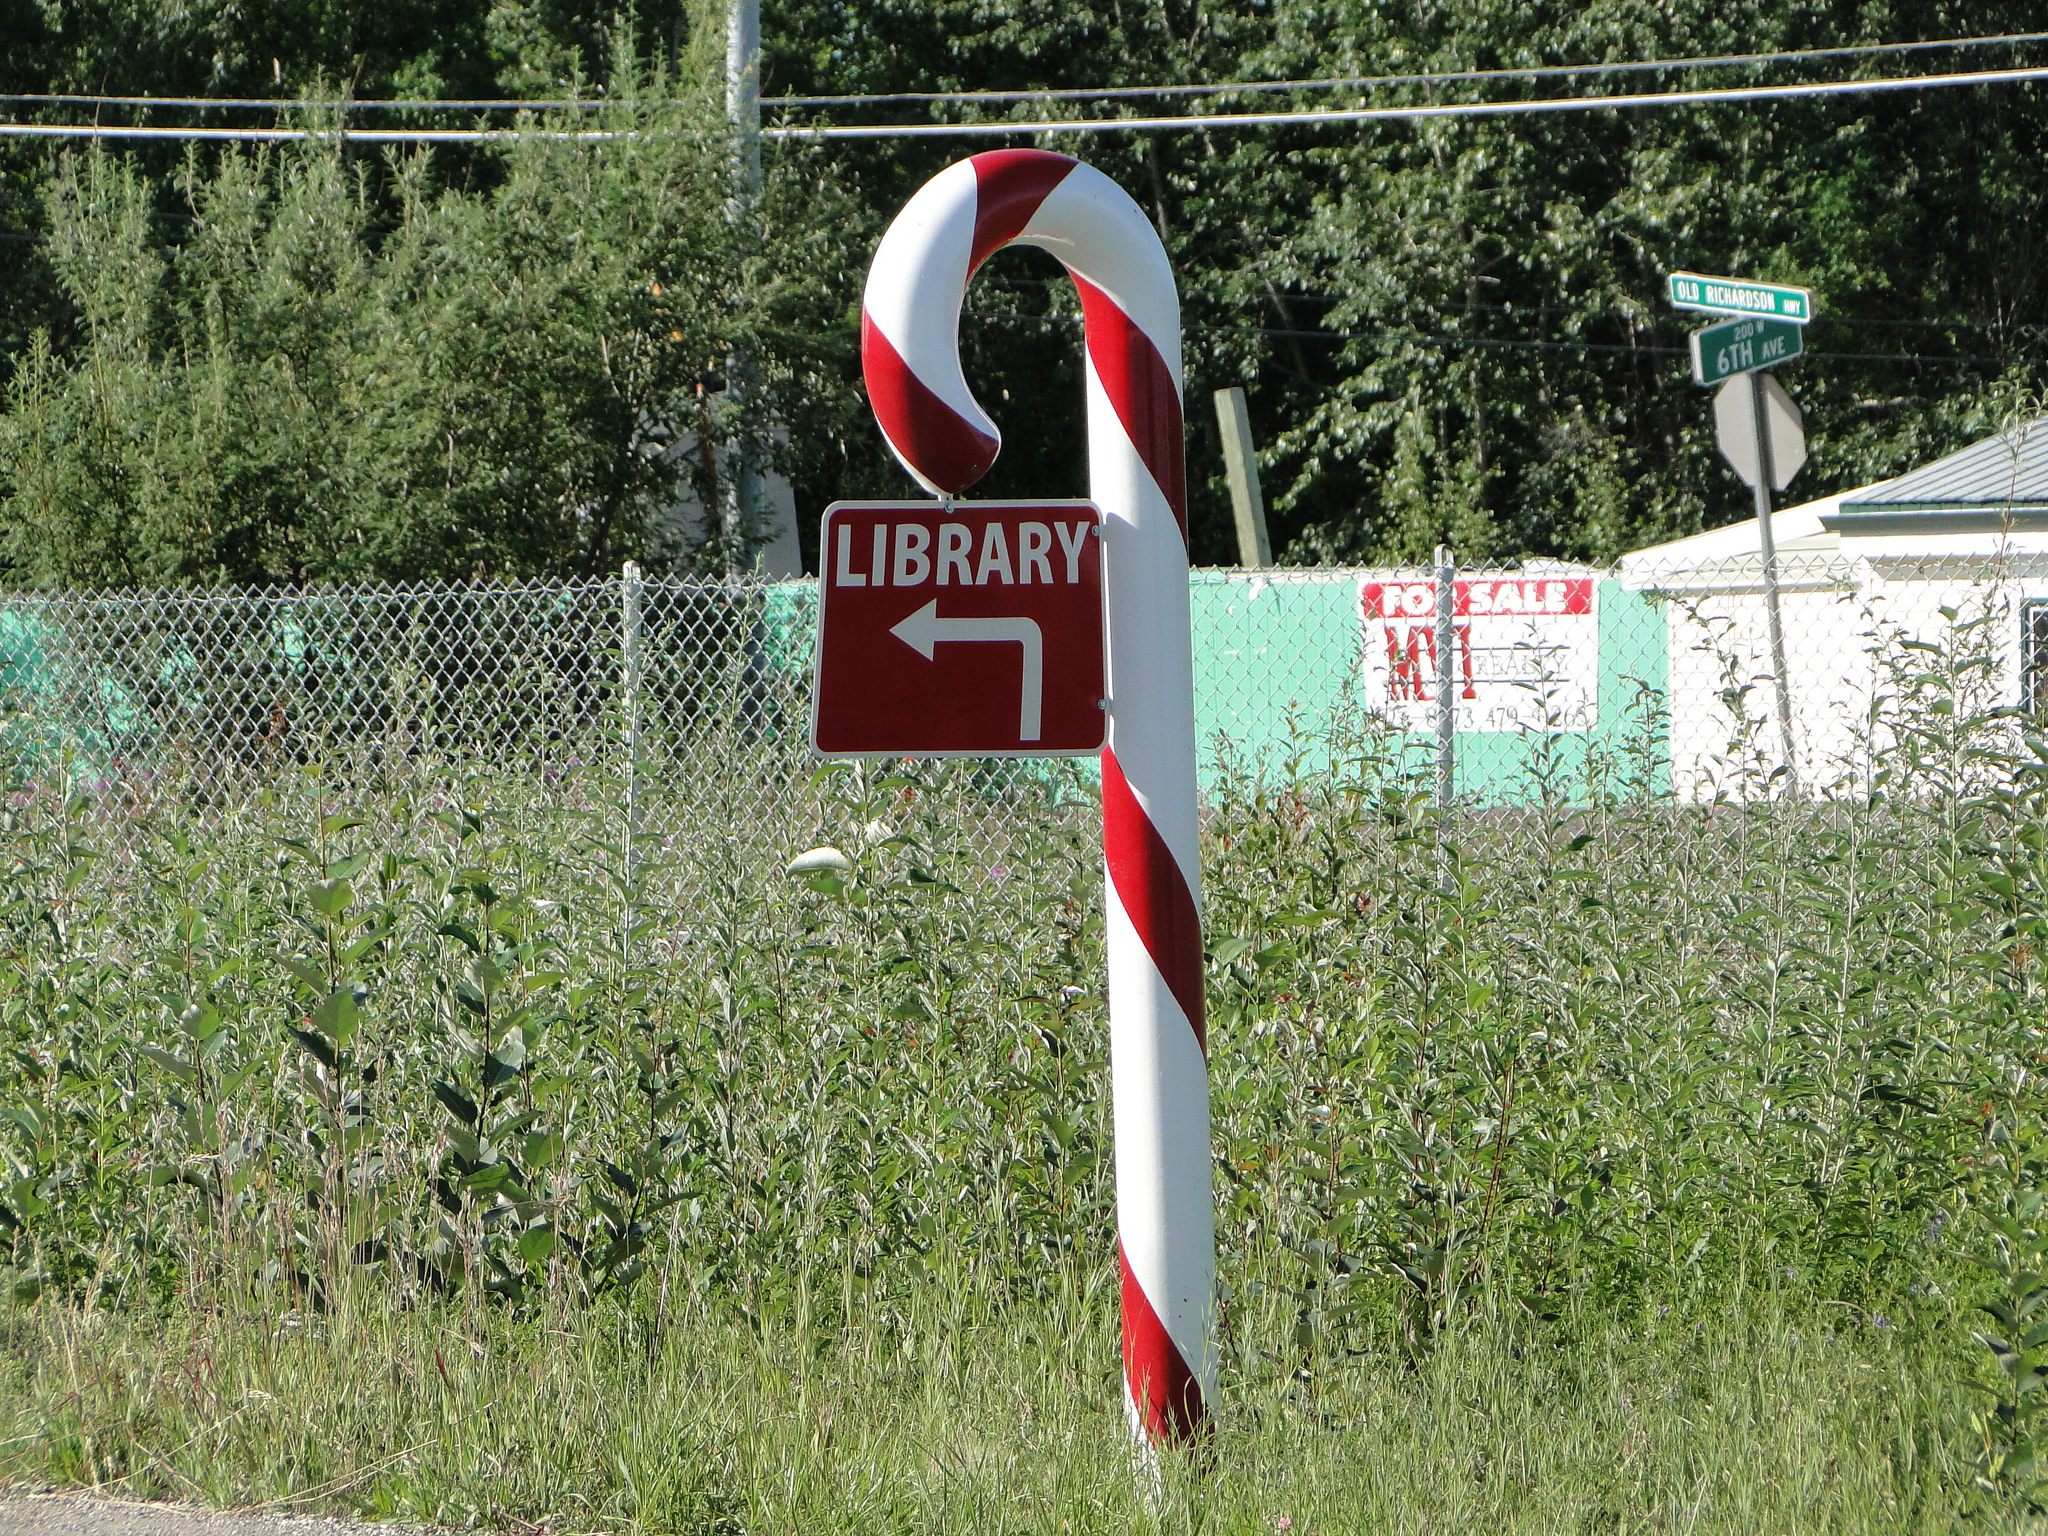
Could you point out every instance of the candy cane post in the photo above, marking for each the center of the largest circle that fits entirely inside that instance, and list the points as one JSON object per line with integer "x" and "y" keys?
{"x": 911, "y": 358}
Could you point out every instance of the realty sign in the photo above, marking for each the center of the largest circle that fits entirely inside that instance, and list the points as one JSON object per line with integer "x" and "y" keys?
{"x": 970, "y": 629}
{"x": 1525, "y": 652}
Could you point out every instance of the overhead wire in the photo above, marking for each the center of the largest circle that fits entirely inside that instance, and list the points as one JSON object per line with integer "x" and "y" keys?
{"x": 1063, "y": 93}
{"x": 304, "y": 103}
{"x": 1637, "y": 100}
{"x": 1000, "y": 128}
{"x": 1512, "y": 343}
{"x": 1431, "y": 77}
{"x": 1318, "y": 116}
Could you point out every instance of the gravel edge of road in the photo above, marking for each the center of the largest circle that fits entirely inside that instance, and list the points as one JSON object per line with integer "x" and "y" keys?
{"x": 62, "y": 1512}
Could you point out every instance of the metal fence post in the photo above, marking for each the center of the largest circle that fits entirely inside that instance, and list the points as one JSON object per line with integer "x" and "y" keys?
{"x": 1446, "y": 676}
{"x": 1446, "y": 700}
{"x": 629, "y": 658}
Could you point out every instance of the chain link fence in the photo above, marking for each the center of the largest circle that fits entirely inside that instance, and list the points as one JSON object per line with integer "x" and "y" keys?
{"x": 676, "y": 711}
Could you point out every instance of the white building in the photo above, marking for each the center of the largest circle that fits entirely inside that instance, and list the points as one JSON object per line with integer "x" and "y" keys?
{"x": 773, "y": 546}
{"x": 1952, "y": 556}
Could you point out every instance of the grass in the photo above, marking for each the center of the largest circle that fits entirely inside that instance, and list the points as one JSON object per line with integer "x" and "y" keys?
{"x": 935, "y": 1414}
{"x": 401, "y": 1142}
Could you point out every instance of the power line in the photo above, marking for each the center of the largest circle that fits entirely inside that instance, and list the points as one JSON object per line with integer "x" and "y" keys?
{"x": 1317, "y": 116}
{"x": 1444, "y": 77}
{"x": 1499, "y": 343}
{"x": 1309, "y": 117}
{"x": 141, "y": 131}
{"x": 1284, "y": 333}
{"x": 301, "y": 104}
{"x": 1435, "y": 339}
{"x": 1075, "y": 93}
{"x": 1831, "y": 319}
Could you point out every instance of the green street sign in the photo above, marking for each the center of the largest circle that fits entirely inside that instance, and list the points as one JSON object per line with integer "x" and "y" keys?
{"x": 1742, "y": 346}
{"x": 1733, "y": 296}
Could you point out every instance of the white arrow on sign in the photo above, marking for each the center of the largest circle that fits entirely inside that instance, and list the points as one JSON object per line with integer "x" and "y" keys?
{"x": 924, "y": 629}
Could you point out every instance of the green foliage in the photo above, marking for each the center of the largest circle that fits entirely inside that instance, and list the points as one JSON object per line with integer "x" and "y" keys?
{"x": 301, "y": 363}
{"x": 1597, "y": 1051}
{"x": 302, "y": 389}
{"x": 432, "y": 1040}
{"x": 2014, "y": 1429}
{"x": 948, "y": 1409}
{"x": 1493, "y": 290}
{"x": 446, "y": 49}
{"x": 1450, "y": 329}
{"x": 440, "y": 48}
{"x": 1457, "y": 329}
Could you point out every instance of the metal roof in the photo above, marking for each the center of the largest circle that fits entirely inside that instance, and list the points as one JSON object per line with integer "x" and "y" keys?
{"x": 2005, "y": 470}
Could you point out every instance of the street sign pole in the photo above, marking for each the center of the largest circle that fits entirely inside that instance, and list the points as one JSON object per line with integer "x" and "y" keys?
{"x": 1781, "y": 684}
{"x": 1766, "y": 333}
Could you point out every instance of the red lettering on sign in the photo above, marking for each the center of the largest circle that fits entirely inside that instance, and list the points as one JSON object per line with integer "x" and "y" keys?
{"x": 1485, "y": 596}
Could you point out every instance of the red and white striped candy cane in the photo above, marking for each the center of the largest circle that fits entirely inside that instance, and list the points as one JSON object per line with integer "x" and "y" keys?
{"x": 910, "y": 353}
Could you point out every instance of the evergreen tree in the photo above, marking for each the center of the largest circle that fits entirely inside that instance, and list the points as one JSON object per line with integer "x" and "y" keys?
{"x": 290, "y": 364}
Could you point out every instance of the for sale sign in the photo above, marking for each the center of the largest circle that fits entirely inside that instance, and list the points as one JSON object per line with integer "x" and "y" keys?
{"x": 966, "y": 629}
{"x": 1525, "y": 652}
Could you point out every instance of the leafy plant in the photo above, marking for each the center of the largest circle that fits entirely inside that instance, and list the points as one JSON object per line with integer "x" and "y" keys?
{"x": 2012, "y": 1472}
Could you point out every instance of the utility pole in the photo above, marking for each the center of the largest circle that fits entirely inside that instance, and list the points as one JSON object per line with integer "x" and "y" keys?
{"x": 743, "y": 112}
{"x": 1233, "y": 420}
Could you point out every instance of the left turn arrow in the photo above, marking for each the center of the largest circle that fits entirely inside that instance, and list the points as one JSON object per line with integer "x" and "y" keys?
{"x": 924, "y": 631}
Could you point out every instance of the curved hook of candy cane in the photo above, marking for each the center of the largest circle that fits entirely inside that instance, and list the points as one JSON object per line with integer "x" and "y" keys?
{"x": 910, "y": 312}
